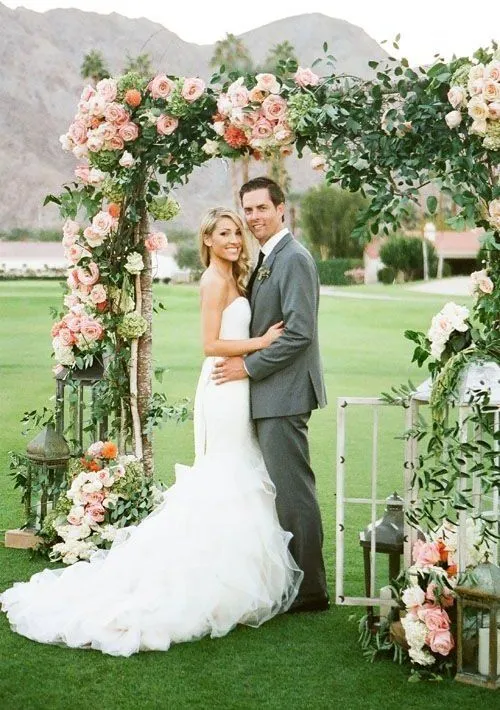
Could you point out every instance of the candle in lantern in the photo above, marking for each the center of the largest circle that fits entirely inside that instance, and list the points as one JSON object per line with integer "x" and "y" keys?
{"x": 484, "y": 651}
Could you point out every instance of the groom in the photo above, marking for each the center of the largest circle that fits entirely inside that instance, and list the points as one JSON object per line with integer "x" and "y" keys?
{"x": 286, "y": 379}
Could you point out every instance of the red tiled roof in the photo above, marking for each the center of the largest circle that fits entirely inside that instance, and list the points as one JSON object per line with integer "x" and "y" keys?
{"x": 448, "y": 244}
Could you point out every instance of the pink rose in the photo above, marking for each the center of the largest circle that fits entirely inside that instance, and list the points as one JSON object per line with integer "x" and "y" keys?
{"x": 224, "y": 105}
{"x": 98, "y": 294}
{"x": 78, "y": 132}
{"x": 426, "y": 554}
{"x": 434, "y": 617}
{"x": 127, "y": 160}
{"x": 76, "y": 252}
{"x": 96, "y": 512}
{"x": 69, "y": 240}
{"x": 494, "y": 109}
{"x": 262, "y": 129}
{"x": 268, "y": 82}
{"x": 103, "y": 223}
{"x": 115, "y": 113}
{"x": 286, "y": 150}
{"x": 94, "y": 238}
{"x": 72, "y": 322}
{"x": 71, "y": 227}
{"x": 97, "y": 105}
{"x": 256, "y": 95}
{"x": 283, "y": 133}
{"x": 87, "y": 93}
{"x": 166, "y": 125}
{"x": 238, "y": 94}
{"x": 274, "y": 107}
{"x": 456, "y": 96}
{"x": 82, "y": 173}
{"x": 94, "y": 498}
{"x": 80, "y": 151}
{"x": 128, "y": 131}
{"x": 219, "y": 127}
{"x": 155, "y": 241}
{"x": 54, "y": 331}
{"x": 107, "y": 89}
{"x": 318, "y": 162}
{"x": 72, "y": 279}
{"x": 107, "y": 130}
{"x": 192, "y": 89}
{"x": 89, "y": 275}
{"x": 116, "y": 143}
{"x": 440, "y": 641}
{"x": 95, "y": 143}
{"x": 160, "y": 87}
{"x": 306, "y": 77}
{"x": 91, "y": 330}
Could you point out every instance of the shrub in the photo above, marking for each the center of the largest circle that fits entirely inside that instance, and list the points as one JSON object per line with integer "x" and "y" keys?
{"x": 405, "y": 254}
{"x": 386, "y": 275}
{"x": 333, "y": 271}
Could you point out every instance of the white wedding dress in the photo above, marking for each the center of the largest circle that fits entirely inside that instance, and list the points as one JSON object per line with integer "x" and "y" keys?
{"x": 211, "y": 556}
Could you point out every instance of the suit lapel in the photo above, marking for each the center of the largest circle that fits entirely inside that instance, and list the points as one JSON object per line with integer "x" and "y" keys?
{"x": 268, "y": 263}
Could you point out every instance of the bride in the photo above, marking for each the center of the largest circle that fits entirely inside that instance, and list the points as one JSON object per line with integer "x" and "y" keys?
{"x": 213, "y": 554}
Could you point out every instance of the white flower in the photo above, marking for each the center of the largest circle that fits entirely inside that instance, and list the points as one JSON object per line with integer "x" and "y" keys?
{"x": 456, "y": 96}
{"x": 415, "y": 631}
{"x": 92, "y": 486}
{"x": 66, "y": 142}
{"x": 134, "y": 263}
{"x": 413, "y": 596}
{"x": 210, "y": 147}
{"x": 127, "y": 160}
{"x": 219, "y": 127}
{"x": 453, "y": 119}
{"x": 478, "y": 108}
{"x": 108, "y": 533}
{"x": 421, "y": 656}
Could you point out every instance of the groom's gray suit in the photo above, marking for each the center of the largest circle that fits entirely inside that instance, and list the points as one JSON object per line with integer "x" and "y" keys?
{"x": 286, "y": 383}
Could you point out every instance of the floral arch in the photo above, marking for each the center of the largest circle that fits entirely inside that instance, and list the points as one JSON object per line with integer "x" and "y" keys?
{"x": 387, "y": 136}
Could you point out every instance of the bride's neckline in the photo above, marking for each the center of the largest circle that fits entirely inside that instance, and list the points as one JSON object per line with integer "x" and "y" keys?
{"x": 233, "y": 301}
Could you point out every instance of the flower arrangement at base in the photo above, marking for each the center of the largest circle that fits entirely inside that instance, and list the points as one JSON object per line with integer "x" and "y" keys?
{"x": 106, "y": 492}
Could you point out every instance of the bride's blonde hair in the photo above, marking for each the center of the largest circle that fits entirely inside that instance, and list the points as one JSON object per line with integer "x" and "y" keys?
{"x": 207, "y": 226}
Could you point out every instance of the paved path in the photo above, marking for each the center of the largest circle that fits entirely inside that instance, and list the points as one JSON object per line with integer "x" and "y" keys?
{"x": 453, "y": 286}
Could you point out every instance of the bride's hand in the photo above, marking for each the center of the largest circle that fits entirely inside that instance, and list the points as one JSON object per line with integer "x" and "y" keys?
{"x": 272, "y": 334}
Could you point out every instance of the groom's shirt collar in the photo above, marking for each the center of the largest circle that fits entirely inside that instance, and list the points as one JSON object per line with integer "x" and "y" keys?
{"x": 271, "y": 243}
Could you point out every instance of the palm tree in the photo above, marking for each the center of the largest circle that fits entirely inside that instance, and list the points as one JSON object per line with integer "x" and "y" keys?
{"x": 278, "y": 55}
{"x": 233, "y": 54}
{"x": 141, "y": 64}
{"x": 94, "y": 67}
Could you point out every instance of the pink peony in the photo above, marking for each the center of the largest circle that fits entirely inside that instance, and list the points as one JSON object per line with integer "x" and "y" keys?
{"x": 155, "y": 241}
{"x": 274, "y": 107}
{"x": 440, "y": 641}
{"x": 88, "y": 275}
{"x": 426, "y": 554}
{"x": 166, "y": 125}
{"x": 306, "y": 77}
{"x": 192, "y": 89}
{"x": 160, "y": 87}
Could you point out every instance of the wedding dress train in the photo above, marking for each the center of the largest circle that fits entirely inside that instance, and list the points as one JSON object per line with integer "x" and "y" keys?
{"x": 211, "y": 556}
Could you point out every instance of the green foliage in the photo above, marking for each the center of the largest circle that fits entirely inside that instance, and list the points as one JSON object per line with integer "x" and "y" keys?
{"x": 94, "y": 67}
{"x": 386, "y": 275}
{"x": 405, "y": 254}
{"x": 328, "y": 216}
{"x": 188, "y": 257}
{"x": 28, "y": 234}
{"x": 332, "y": 271}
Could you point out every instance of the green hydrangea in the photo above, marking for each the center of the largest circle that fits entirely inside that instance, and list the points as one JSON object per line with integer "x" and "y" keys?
{"x": 492, "y": 139}
{"x": 105, "y": 160}
{"x": 461, "y": 76}
{"x": 177, "y": 104}
{"x": 299, "y": 106}
{"x": 121, "y": 300}
{"x": 164, "y": 208}
{"x": 132, "y": 80}
{"x": 112, "y": 190}
{"x": 132, "y": 326}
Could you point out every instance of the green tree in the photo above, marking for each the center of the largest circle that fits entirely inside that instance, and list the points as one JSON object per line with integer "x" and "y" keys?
{"x": 328, "y": 216}
{"x": 141, "y": 64}
{"x": 281, "y": 54}
{"x": 94, "y": 67}
{"x": 232, "y": 54}
{"x": 405, "y": 256}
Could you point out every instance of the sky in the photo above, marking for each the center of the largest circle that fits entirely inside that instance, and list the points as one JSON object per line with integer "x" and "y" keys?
{"x": 427, "y": 27}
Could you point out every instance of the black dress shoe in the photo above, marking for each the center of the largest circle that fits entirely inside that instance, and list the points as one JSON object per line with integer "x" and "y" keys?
{"x": 311, "y": 604}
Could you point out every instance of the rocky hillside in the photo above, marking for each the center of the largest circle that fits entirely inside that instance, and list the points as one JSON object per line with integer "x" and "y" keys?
{"x": 41, "y": 55}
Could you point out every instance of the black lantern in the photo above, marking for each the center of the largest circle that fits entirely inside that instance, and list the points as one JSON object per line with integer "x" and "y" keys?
{"x": 43, "y": 468}
{"x": 389, "y": 540}
{"x": 76, "y": 392}
{"x": 478, "y": 628}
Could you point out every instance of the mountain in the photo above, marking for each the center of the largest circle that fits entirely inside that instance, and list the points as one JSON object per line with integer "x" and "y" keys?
{"x": 40, "y": 83}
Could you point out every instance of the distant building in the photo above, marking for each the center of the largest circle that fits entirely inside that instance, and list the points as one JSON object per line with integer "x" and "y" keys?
{"x": 449, "y": 246}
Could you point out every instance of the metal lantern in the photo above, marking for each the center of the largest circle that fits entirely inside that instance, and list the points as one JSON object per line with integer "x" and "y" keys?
{"x": 76, "y": 392}
{"x": 387, "y": 537}
{"x": 478, "y": 629}
{"x": 46, "y": 462}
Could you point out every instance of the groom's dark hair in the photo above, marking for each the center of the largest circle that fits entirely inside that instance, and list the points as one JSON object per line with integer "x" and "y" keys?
{"x": 275, "y": 192}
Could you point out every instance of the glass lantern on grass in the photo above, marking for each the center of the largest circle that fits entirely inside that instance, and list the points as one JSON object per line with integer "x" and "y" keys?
{"x": 478, "y": 628}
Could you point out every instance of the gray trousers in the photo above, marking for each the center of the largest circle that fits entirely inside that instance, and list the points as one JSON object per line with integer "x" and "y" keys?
{"x": 285, "y": 448}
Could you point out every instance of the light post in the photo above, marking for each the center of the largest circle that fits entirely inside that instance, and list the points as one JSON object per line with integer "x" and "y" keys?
{"x": 429, "y": 234}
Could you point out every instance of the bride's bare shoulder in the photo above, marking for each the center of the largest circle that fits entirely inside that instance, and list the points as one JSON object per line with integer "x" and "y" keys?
{"x": 213, "y": 285}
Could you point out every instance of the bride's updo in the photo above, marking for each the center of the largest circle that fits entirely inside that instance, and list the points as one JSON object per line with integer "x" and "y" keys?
{"x": 241, "y": 267}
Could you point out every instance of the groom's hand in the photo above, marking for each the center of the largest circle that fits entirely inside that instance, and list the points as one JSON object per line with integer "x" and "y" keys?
{"x": 228, "y": 370}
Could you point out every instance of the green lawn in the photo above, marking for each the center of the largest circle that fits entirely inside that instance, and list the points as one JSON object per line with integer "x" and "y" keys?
{"x": 300, "y": 661}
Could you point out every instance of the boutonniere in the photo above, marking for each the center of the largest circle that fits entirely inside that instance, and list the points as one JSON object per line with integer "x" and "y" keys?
{"x": 263, "y": 273}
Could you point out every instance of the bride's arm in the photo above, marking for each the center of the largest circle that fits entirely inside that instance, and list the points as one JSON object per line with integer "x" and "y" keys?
{"x": 213, "y": 301}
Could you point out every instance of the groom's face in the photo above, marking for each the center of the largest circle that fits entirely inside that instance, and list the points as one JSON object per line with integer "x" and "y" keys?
{"x": 263, "y": 218}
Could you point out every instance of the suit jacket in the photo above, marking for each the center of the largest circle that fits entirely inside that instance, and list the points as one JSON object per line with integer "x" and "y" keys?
{"x": 287, "y": 377}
